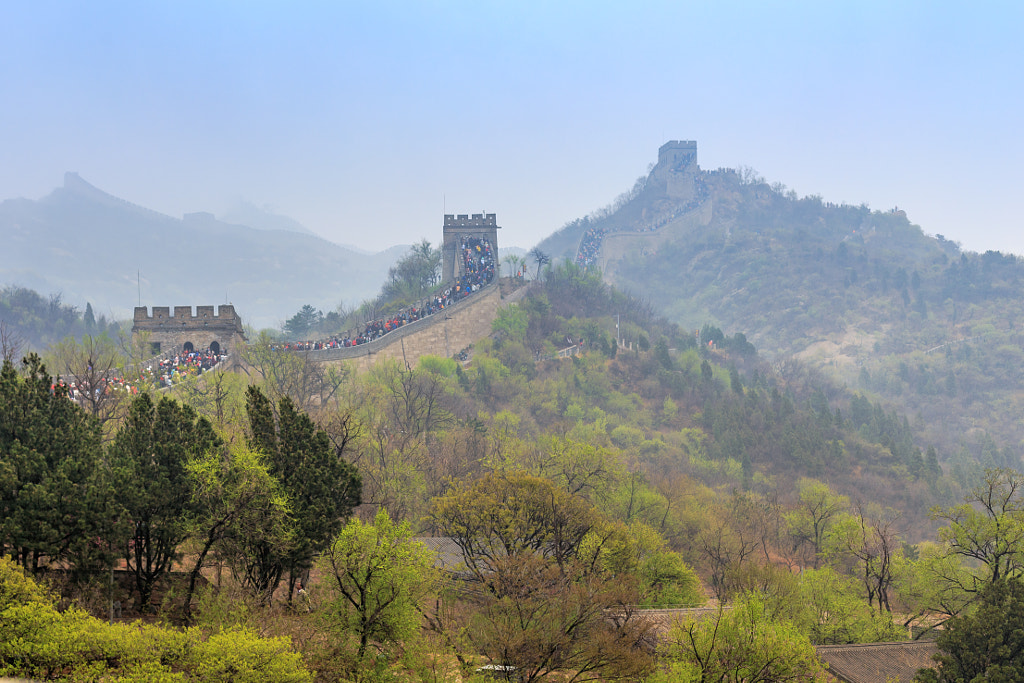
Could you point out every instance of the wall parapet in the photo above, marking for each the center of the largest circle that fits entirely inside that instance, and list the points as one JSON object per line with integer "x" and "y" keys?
{"x": 224, "y": 313}
{"x": 477, "y": 220}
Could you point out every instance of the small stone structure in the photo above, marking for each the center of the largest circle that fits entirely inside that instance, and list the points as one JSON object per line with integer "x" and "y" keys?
{"x": 187, "y": 331}
{"x": 480, "y": 225}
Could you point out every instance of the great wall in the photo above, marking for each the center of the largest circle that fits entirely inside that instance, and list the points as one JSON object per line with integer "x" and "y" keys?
{"x": 684, "y": 206}
{"x": 676, "y": 204}
{"x": 444, "y": 333}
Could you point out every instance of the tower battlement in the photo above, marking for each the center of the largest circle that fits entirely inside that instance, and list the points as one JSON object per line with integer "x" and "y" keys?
{"x": 676, "y": 153}
{"x": 458, "y": 226}
{"x": 477, "y": 220}
{"x": 225, "y": 313}
{"x": 212, "y": 327}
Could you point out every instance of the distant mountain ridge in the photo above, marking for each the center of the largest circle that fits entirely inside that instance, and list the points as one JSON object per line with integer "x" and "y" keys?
{"x": 93, "y": 246}
{"x": 252, "y": 216}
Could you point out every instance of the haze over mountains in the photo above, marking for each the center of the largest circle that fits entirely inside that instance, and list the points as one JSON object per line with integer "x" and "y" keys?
{"x": 91, "y": 246}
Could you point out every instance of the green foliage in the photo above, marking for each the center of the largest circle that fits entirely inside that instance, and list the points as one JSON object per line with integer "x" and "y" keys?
{"x": 217, "y": 396}
{"x": 39, "y": 322}
{"x": 445, "y": 367}
{"x": 988, "y": 528}
{"x": 241, "y": 655}
{"x": 374, "y": 576}
{"x": 987, "y": 644}
{"x": 741, "y": 644}
{"x": 512, "y": 323}
{"x": 55, "y": 496}
{"x": 321, "y": 486}
{"x": 414, "y": 275}
{"x": 38, "y": 641}
{"x": 307, "y": 320}
{"x": 627, "y": 436}
{"x": 829, "y": 609}
{"x": 817, "y": 511}
{"x": 239, "y": 506}
{"x": 667, "y": 581}
{"x": 501, "y": 516}
{"x": 150, "y": 456}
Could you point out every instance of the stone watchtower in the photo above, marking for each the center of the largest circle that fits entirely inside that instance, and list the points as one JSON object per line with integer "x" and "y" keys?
{"x": 479, "y": 225}
{"x": 181, "y": 330}
{"x": 677, "y": 168}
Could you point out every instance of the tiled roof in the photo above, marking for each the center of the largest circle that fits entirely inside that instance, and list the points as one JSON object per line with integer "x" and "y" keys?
{"x": 877, "y": 662}
{"x": 449, "y": 554}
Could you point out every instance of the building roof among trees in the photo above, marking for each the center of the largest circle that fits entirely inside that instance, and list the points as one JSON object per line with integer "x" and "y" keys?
{"x": 449, "y": 554}
{"x": 877, "y": 662}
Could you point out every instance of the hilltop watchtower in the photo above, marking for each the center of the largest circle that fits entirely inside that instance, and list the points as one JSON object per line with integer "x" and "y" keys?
{"x": 677, "y": 168}
{"x": 187, "y": 331}
{"x": 463, "y": 226}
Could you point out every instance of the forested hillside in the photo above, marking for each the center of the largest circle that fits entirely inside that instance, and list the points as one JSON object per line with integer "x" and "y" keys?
{"x": 396, "y": 520}
{"x": 30, "y": 321}
{"x": 864, "y": 296}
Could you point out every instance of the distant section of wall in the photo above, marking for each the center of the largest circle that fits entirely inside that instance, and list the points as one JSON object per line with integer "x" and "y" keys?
{"x": 677, "y": 167}
{"x": 617, "y": 245}
{"x": 444, "y": 334}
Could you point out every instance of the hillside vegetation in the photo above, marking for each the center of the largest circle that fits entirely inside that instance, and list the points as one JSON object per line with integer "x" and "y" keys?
{"x": 521, "y": 508}
{"x": 863, "y": 296}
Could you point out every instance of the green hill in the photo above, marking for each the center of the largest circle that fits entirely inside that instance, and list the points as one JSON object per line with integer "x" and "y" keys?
{"x": 864, "y": 296}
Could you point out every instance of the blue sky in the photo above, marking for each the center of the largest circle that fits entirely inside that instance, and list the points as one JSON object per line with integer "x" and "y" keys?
{"x": 366, "y": 121}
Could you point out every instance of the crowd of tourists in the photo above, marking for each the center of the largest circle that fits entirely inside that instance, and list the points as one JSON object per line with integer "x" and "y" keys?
{"x": 83, "y": 391}
{"x": 172, "y": 370}
{"x": 590, "y": 246}
{"x": 156, "y": 374}
{"x": 477, "y": 268}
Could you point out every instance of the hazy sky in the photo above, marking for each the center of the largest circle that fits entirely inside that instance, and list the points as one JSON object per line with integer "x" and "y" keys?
{"x": 365, "y": 121}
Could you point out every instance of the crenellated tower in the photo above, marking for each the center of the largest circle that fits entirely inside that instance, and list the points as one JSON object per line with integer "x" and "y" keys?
{"x": 457, "y": 227}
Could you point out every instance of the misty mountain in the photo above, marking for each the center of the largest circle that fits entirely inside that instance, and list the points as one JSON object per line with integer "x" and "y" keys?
{"x": 864, "y": 296}
{"x": 91, "y": 246}
{"x": 248, "y": 214}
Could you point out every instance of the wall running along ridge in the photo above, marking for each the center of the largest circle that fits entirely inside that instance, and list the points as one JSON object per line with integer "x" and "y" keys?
{"x": 443, "y": 334}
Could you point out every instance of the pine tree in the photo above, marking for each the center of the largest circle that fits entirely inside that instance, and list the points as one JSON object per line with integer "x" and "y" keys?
{"x": 54, "y": 502}
{"x": 322, "y": 487}
{"x": 89, "y": 318}
{"x": 150, "y": 454}
{"x": 985, "y": 645}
